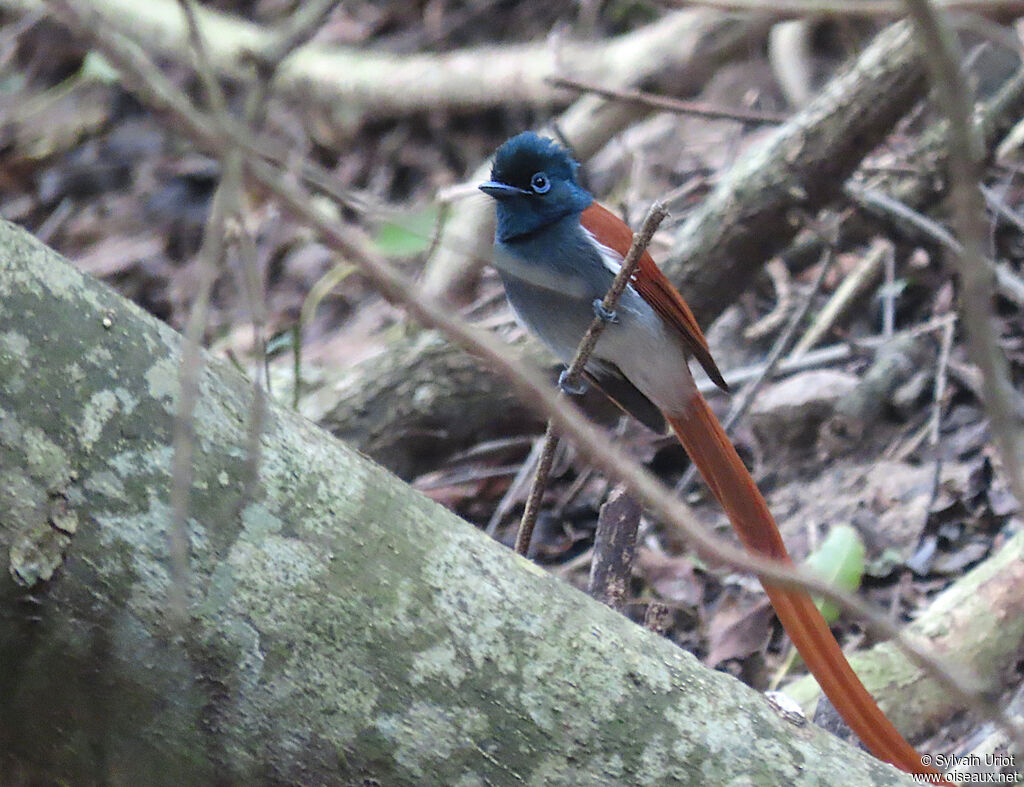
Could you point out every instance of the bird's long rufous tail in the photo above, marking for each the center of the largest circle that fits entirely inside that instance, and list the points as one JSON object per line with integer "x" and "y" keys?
{"x": 715, "y": 457}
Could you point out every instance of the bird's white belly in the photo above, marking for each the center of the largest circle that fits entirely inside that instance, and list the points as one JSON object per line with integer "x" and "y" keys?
{"x": 649, "y": 354}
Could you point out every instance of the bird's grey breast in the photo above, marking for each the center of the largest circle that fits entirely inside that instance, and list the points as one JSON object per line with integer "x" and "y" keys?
{"x": 551, "y": 279}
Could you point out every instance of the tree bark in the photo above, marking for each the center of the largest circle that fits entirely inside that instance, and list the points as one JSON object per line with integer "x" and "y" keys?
{"x": 342, "y": 627}
{"x": 410, "y": 406}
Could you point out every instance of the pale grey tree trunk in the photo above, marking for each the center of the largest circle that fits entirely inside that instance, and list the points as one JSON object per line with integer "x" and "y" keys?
{"x": 344, "y": 629}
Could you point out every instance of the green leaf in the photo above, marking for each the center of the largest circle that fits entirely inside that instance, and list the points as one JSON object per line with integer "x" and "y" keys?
{"x": 840, "y": 562}
{"x": 407, "y": 234}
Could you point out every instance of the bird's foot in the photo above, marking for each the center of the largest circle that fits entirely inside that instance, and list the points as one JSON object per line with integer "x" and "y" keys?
{"x": 578, "y": 389}
{"x": 604, "y": 314}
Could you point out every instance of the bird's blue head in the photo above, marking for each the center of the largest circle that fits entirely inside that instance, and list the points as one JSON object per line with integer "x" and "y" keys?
{"x": 534, "y": 182}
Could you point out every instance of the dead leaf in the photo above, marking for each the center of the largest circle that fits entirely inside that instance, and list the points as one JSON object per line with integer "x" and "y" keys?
{"x": 672, "y": 577}
{"x": 742, "y": 625}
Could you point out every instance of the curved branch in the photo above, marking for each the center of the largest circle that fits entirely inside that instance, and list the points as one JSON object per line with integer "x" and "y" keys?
{"x": 355, "y": 84}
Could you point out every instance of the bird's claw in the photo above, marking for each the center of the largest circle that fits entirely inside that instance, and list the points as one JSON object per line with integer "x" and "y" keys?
{"x": 578, "y": 389}
{"x": 604, "y": 314}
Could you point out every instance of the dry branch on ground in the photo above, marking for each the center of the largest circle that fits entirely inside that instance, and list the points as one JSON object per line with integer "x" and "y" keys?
{"x": 352, "y": 85}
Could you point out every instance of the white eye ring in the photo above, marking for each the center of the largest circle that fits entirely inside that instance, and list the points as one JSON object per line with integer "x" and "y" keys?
{"x": 540, "y": 183}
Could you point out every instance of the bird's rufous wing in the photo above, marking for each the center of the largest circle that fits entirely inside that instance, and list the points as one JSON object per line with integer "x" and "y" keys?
{"x": 653, "y": 286}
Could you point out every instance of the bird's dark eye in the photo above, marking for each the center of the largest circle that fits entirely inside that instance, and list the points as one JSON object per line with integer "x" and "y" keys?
{"x": 540, "y": 183}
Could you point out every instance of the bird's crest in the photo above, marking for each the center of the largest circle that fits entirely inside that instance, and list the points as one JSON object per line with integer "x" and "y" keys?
{"x": 526, "y": 154}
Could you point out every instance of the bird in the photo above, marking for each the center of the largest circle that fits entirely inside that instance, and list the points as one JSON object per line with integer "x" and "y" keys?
{"x": 557, "y": 252}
